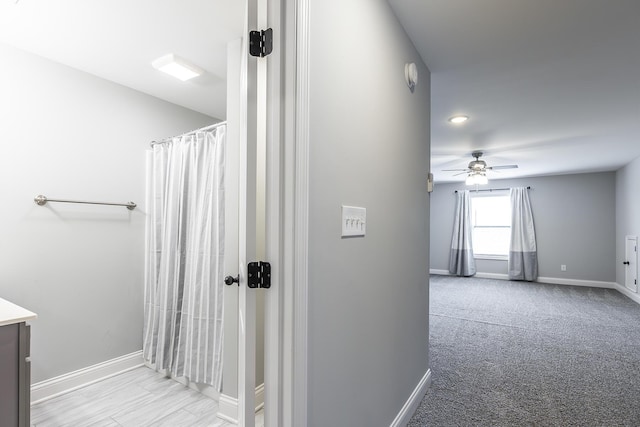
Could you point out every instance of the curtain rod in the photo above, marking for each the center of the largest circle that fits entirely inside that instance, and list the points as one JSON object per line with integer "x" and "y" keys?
{"x": 213, "y": 126}
{"x": 494, "y": 189}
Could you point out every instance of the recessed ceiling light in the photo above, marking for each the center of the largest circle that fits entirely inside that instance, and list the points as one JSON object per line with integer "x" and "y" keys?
{"x": 458, "y": 119}
{"x": 177, "y": 67}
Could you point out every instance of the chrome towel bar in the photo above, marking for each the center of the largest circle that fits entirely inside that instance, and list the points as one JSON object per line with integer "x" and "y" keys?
{"x": 42, "y": 200}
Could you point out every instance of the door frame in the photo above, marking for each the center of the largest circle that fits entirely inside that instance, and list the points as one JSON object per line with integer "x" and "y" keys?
{"x": 635, "y": 262}
{"x": 287, "y": 213}
{"x": 274, "y": 220}
{"x": 251, "y": 123}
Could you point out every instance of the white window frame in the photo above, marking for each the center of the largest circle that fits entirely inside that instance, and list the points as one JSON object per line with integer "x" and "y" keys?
{"x": 477, "y": 195}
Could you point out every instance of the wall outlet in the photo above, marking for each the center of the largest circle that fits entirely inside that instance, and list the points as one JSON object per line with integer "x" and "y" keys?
{"x": 563, "y": 267}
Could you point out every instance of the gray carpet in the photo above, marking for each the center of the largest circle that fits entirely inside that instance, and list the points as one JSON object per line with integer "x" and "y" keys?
{"x": 527, "y": 354}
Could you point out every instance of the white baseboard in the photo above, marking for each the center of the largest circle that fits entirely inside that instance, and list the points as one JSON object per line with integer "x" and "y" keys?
{"x": 62, "y": 384}
{"x": 550, "y": 280}
{"x": 576, "y": 282}
{"x": 410, "y": 406}
{"x": 627, "y": 292}
{"x": 439, "y": 272}
{"x": 228, "y": 406}
{"x": 498, "y": 276}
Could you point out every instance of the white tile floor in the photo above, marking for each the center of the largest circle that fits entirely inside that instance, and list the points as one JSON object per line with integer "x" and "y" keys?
{"x": 137, "y": 398}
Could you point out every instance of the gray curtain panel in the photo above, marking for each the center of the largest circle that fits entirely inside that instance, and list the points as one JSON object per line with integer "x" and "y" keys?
{"x": 523, "y": 253}
{"x": 461, "y": 262}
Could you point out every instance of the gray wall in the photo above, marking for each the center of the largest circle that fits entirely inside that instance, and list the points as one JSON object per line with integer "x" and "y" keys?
{"x": 627, "y": 209}
{"x": 68, "y": 134}
{"x": 369, "y": 147}
{"x": 575, "y": 220}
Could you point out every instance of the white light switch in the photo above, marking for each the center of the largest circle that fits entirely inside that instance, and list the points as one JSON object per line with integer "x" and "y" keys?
{"x": 354, "y": 221}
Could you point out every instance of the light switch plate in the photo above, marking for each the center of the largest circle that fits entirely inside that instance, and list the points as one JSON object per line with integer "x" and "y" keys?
{"x": 354, "y": 221}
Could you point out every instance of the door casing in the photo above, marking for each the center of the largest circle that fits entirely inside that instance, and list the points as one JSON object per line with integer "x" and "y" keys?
{"x": 631, "y": 269}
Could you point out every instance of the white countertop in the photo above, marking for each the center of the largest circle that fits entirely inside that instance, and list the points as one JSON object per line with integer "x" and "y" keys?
{"x": 11, "y": 313}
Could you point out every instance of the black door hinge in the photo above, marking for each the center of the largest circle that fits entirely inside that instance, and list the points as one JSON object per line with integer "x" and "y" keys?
{"x": 261, "y": 42}
{"x": 259, "y": 275}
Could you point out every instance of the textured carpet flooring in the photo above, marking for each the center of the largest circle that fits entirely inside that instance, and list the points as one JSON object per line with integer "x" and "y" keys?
{"x": 527, "y": 354}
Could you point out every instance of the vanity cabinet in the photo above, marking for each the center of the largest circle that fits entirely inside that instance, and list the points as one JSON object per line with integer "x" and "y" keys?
{"x": 15, "y": 366}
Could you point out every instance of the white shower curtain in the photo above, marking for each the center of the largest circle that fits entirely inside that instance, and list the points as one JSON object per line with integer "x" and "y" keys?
{"x": 523, "y": 252}
{"x": 183, "y": 306}
{"x": 461, "y": 262}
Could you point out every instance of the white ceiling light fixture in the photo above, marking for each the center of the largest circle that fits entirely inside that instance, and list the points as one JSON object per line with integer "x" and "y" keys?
{"x": 458, "y": 119}
{"x": 177, "y": 67}
{"x": 477, "y": 178}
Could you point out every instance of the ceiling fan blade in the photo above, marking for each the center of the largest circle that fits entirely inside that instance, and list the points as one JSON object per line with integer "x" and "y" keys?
{"x": 454, "y": 170}
{"x": 461, "y": 173}
{"x": 503, "y": 167}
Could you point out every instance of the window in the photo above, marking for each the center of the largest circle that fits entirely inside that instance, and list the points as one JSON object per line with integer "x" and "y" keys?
{"x": 491, "y": 222}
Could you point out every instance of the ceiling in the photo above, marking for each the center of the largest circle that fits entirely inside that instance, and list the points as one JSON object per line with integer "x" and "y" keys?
{"x": 118, "y": 39}
{"x": 550, "y": 85}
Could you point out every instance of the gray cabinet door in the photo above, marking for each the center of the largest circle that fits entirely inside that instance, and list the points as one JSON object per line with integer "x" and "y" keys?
{"x": 15, "y": 375}
{"x": 9, "y": 375}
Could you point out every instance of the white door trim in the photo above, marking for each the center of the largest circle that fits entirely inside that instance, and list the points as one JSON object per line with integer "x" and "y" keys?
{"x": 287, "y": 214}
{"x": 273, "y": 317}
{"x": 631, "y": 270}
{"x": 249, "y": 126}
{"x": 301, "y": 218}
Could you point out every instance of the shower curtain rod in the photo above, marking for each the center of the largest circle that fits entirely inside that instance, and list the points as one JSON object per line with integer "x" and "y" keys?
{"x": 493, "y": 189}
{"x": 164, "y": 140}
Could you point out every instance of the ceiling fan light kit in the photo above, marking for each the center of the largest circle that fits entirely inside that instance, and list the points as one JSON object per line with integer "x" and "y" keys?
{"x": 477, "y": 178}
{"x": 477, "y": 170}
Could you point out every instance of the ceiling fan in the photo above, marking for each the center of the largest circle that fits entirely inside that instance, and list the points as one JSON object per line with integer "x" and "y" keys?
{"x": 477, "y": 169}
{"x": 478, "y": 165}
